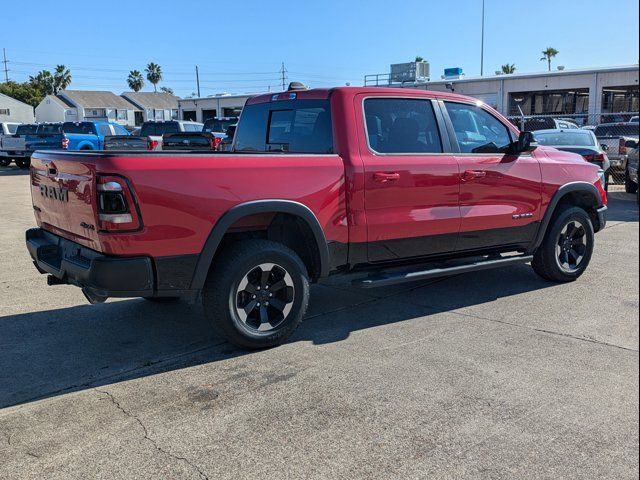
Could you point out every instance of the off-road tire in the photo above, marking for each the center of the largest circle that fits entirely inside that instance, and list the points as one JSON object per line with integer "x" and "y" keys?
{"x": 546, "y": 261}
{"x": 23, "y": 163}
{"x": 221, "y": 293}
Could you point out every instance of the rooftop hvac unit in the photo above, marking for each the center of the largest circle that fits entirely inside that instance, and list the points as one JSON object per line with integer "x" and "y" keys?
{"x": 410, "y": 72}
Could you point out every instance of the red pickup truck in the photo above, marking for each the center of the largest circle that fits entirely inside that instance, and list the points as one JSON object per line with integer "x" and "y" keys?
{"x": 405, "y": 184}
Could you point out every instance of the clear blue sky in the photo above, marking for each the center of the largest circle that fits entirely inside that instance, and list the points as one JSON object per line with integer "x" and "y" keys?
{"x": 240, "y": 44}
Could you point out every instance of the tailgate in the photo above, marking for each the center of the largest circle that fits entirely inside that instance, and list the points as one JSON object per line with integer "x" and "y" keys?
{"x": 63, "y": 192}
{"x": 44, "y": 141}
{"x": 13, "y": 143}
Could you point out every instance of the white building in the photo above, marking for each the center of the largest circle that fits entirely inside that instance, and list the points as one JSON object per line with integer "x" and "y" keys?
{"x": 85, "y": 105}
{"x": 157, "y": 106}
{"x": 561, "y": 92}
{"x": 216, "y": 106}
{"x": 12, "y": 110}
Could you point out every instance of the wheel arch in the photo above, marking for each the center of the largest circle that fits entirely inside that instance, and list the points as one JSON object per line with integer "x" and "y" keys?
{"x": 580, "y": 194}
{"x": 273, "y": 206}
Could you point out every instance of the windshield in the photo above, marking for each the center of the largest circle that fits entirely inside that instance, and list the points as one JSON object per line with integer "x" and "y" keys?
{"x": 565, "y": 139}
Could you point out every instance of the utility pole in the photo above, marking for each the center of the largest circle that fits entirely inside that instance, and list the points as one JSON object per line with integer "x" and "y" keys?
{"x": 6, "y": 62}
{"x": 283, "y": 72}
{"x": 482, "y": 43}
{"x": 198, "y": 80}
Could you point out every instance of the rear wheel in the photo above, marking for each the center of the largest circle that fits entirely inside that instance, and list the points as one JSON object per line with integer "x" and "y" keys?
{"x": 567, "y": 247}
{"x": 256, "y": 293}
{"x": 629, "y": 185}
{"x": 5, "y": 162}
{"x": 23, "y": 163}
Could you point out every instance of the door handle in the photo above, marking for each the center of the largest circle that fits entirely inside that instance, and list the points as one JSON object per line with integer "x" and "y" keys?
{"x": 384, "y": 177}
{"x": 473, "y": 174}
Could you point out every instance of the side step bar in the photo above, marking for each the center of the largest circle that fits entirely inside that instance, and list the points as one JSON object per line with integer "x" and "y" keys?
{"x": 389, "y": 278}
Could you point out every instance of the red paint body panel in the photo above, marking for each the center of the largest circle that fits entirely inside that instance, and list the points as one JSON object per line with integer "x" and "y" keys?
{"x": 180, "y": 197}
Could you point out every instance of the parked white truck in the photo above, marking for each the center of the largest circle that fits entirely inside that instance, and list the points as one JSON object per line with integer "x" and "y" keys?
{"x": 6, "y": 130}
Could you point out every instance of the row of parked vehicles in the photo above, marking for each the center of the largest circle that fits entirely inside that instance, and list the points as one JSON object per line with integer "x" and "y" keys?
{"x": 19, "y": 141}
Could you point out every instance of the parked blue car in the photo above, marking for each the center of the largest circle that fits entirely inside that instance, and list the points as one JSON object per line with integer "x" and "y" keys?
{"x": 90, "y": 135}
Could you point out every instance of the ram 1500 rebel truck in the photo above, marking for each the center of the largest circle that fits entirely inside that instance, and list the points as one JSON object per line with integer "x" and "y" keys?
{"x": 403, "y": 184}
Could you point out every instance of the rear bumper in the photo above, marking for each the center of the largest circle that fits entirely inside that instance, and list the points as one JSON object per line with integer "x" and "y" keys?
{"x": 602, "y": 217}
{"x": 101, "y": 275}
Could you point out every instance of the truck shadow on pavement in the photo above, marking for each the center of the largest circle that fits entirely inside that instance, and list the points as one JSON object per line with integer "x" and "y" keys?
{"x": 53, "y": 352}
{"x": 12, "y": 170}
{"x": 49, "y": 353}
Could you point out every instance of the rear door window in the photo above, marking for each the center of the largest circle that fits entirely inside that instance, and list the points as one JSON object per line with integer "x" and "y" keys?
{"x": 401, "y": 125}
{"x": 26, "y": 129}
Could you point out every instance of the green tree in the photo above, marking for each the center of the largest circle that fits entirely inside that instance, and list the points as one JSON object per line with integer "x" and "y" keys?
{"x": 167, "y": 90}
{"x": 548, "y": 54}
{"x": 26, "y": 92}
{"x": 44, "y": 82}
{"x": 509, "y": 68}
{"x": 61, "y": 78}
{"x": 419, "y": 59}
{"x": 135, "y": 80}
{"x": 154, "y": 74}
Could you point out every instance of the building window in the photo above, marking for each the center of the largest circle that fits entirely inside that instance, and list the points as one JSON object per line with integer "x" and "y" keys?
{"x": 158, "y": 114}
{"x": 4, "y": 111}
{"x": 174, "y": 114}
{"x": 95, "y": 113}
{"x": 121, "y": 114}
{"x": 620, "y": 99}
{"x": 550, "y": 102}
{"x": 189, "y": 115}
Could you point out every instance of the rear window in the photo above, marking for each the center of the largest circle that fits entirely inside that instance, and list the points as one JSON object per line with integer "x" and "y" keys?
{"x": 192, "y": 127}
{"x": 84, "y": 128}
{"x": 290, "y": 126}
{"x": 26, "y": 129}
{"x": 50, "y": 128}
{"x": 565, "y": 139}
{"x": 617, "y": 130}
{"x": 159, "y": 128}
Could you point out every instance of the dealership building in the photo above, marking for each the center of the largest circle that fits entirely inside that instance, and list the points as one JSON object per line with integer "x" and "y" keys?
{"x": 200, "y": 109}
{"x": 559, "y": 92}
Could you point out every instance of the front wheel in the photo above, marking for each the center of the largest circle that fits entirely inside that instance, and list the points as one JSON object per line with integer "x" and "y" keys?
{"x": 5, "y": 162}
{"x": 567, "y": 247}
{"x": 256, "y": 293}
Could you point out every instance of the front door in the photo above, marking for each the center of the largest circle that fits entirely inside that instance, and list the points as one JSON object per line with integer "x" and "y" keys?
{"x": 499, "y": 192}
{"x": 411, "y": 186}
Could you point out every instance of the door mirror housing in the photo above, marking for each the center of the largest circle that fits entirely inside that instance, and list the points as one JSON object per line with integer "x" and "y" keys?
{"x": 526, "y": 143}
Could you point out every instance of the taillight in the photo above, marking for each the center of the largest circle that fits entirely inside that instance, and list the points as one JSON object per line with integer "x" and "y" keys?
{"x": 622, "y": 149}
{"x": 152, "y": 144}
{"x": 596, "y": 157}
{"x": 64, "y": 143}
{"x": 117, "y": 208}
{"x": 215, "y": 142}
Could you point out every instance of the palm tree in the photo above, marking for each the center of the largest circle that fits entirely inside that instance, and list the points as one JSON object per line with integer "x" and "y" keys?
{"x": 135, "y": 80}
{"x": 61, "y": 78}
{"x": 44, "y": 82}
{"x": 154, "y": 74}
{"x": 508, "y": 68}
{"x": 166, "y": 90}
{"x": 548, "y": 54}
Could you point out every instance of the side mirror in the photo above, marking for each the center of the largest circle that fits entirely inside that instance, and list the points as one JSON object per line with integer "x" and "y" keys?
{"x": 526, "y": 143}
{"x": 631, "y": 144}
{"x": 604, "y": 147}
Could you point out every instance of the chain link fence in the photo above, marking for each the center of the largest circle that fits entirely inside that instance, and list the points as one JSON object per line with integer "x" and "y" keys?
{"x": 616, "y": 134}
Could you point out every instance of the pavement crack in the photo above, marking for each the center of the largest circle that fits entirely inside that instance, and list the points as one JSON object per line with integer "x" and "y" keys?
{"x": 148, "y": 438}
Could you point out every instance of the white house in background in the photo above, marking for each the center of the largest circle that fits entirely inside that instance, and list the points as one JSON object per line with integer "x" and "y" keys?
{"x": 156, "y": 106}
{"x": 86, "y": 105}
{"x": 12, "y": 110}
{"x": 215, "y": 106}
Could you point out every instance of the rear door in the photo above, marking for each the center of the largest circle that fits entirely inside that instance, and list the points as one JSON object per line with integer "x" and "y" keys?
{"x": 411, "y": 185}
{"x": 500, "y": 193}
